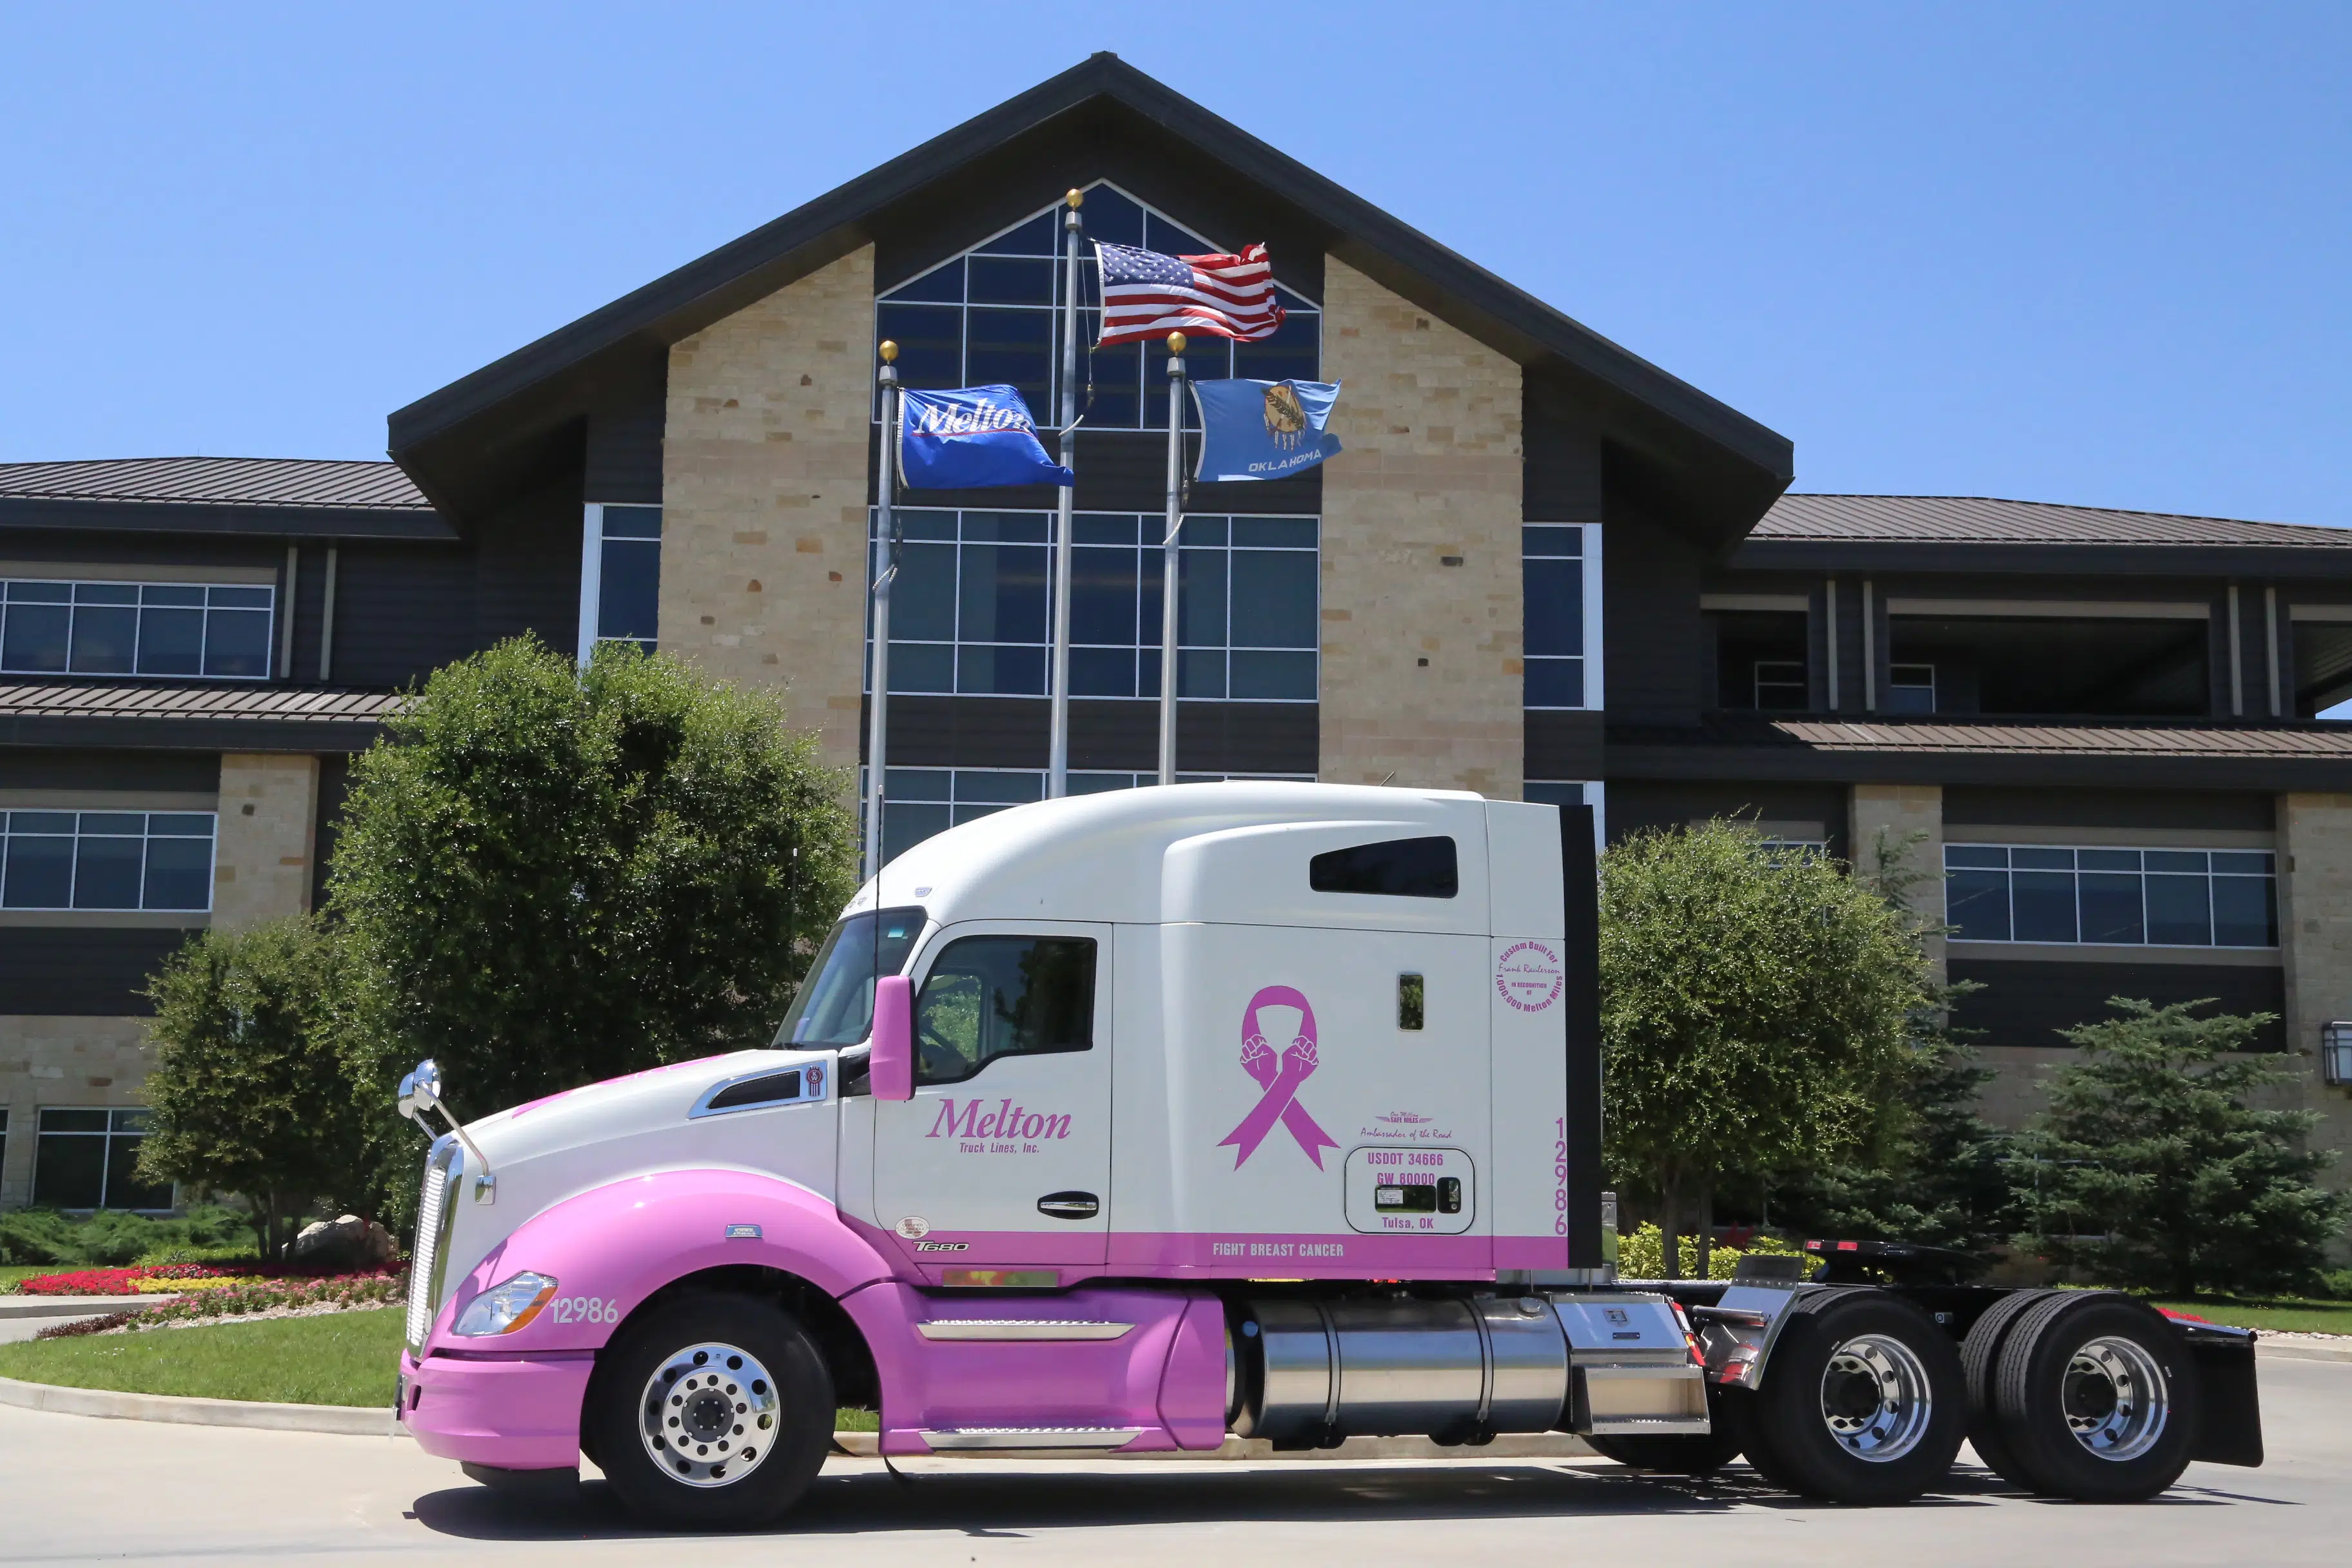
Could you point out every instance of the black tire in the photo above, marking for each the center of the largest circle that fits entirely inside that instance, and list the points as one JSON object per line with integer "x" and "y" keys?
{"x": 1862, "y": 1400}
{"x": 1743, "y": 1425}
{"x": 731, "y": 1333}
{"x": 1980, "y": 1365}
{"x": 1673, "y": 1456}
{"x": 2097, "y": 1397}
{"x": 1677, "y": 1454}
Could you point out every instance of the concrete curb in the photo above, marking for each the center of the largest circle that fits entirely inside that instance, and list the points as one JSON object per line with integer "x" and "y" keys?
{"x": 343, "y": 1420}
{"x": 76, "y": 1305}
{"x": 2268, "y": 1349}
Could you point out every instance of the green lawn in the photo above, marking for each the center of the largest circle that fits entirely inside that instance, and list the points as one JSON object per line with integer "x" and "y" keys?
{"x": 341, "y": 1358}
{"x": 2281, "y": 1317}
{"x": 12, "y": 1272}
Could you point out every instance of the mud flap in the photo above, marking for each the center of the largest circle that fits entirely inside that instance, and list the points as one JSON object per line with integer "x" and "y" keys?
{"x": 2232, "y": 1431}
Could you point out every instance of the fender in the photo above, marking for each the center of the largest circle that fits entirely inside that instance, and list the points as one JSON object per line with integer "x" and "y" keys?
{"x": 615, "y": 1246}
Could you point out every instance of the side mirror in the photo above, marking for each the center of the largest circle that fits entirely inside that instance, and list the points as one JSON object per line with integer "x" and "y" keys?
{"x": 424, "y": 1085}
{"x": 408, "y": 1096}
{"x": 890, "y": 1066}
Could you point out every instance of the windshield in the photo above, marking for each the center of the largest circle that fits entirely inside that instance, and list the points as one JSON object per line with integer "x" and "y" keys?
{"x": 835, "y": 1006}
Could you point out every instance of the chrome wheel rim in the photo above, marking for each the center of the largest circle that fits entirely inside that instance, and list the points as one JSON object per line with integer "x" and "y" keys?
{"x": 707, "y": 1415}
{"x": 2116, "y": 1398}
{"x": 1874, "y": 1398}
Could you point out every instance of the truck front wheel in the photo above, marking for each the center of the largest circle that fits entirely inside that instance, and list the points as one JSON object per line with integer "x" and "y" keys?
{"x": 715, "y": 1412}
{"x": 1862, "y": 1402}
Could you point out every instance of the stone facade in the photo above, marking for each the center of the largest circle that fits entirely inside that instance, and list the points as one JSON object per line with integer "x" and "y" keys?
{"x": 764, "y": 460}
{"x": 1422, "y": 642}
{"x": 2314, "y": 862}
{"x": 268, "y": 833}
{"x": 79, "y": 1062}
{"x": 1901, "y": 811}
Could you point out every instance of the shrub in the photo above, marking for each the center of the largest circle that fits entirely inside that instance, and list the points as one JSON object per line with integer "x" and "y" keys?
{"x": 112, "y": 1240}
{"x": 1757, "y": 1010}
{"x": 1643, "y": 1255}
{"x": 249, "y": 1091}
{"x": 550, "y": 877}
{"x": 2150, "y": 1171}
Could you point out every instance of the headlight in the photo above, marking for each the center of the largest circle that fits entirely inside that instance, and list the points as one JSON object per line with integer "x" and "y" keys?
{"x": 506, "y": 1306}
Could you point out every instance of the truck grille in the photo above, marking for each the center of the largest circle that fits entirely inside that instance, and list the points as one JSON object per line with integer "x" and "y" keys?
{"x": 430, "y": 1256}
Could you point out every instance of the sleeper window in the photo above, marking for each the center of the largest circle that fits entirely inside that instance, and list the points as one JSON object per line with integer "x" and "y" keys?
{"x": 1400, "y": 867}
{"x": 990, "y": 996}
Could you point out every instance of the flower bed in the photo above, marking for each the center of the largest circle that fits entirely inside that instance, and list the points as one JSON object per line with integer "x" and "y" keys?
{"x": 168, "y": 1278}
{"x": 231, "y": 1299}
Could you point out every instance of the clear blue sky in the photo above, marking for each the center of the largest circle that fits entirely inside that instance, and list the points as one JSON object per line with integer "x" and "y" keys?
{"x": 2084, "y": 253}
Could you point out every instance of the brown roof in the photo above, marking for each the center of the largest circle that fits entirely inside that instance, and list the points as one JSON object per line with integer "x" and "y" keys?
{"x": 2067, "y": 739}
{"x": 276, "y": 703}
{"x": 220, "y": 481}
{"x": 1978, "y": 519}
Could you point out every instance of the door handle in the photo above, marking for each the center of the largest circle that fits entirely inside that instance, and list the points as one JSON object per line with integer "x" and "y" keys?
{"x": 1070, "y": 1205}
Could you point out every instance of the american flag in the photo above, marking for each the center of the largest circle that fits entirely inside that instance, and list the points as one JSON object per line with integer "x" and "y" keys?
{"x": 1147, "y": 295}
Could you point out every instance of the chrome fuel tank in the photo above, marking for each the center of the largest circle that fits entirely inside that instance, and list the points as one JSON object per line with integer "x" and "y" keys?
{"x": 1310, "y": 1373}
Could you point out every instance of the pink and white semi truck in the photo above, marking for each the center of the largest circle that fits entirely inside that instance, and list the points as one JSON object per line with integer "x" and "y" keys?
{"x": 1121, "y": 1122}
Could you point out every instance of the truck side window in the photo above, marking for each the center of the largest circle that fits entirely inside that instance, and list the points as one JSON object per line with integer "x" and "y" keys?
{"x": 1399, "y": 868}
{"x": 989, "y": 996}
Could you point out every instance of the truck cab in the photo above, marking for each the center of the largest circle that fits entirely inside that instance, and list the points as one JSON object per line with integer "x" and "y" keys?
{"x": 1117, "y": 1123}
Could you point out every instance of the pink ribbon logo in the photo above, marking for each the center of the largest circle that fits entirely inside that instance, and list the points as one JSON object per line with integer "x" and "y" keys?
{"x": 1280, "y": 1079}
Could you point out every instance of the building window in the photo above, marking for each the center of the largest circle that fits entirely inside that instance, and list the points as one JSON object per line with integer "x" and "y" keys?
{"x": 90, "y": 1160}
{"x": 970, "y": 610}
{"x": 991, "y": 315}
{"x": 2154, "y": 897}
{"x": 620, "y": 576}
{"x": 1779, "y": 684}
{"x": 1549, "y": 792}
{"x": 205, "y": 629}
{"x": 920, "y": 802}
{"x": 106, "y": 860}
{"x": 1562, "y": 614}
{"x": 1910, "y": 688}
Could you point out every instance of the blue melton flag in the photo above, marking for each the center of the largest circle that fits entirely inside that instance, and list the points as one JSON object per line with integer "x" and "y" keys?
{"x": 1263, "y": 429}
{"x": 972, "y": 438}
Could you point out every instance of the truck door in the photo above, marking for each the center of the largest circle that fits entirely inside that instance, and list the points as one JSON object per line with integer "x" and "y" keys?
{"x": 1003, "y": 1157}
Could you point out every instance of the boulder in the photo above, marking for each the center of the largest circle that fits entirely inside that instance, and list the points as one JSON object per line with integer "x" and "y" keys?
{"x": 346, "y": 1242}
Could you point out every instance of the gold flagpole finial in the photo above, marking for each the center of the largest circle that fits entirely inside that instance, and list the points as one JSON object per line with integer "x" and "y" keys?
{"x": 1175, "y": 342}
{"x": 1074, "y": 197}
{"x": 889, "y": 351}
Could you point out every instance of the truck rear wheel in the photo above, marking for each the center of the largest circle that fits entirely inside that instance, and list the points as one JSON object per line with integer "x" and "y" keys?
{"x": 715, "y": 1412}
{"x": 1862, "y": 1401}
{"x": 1979, "y": 1366}
{"x": 2097, "y": 1397}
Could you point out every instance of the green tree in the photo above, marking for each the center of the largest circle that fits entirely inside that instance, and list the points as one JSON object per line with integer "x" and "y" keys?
{"x": 2150, "y": 1169}
{"x": 1937, "y": 1173}
{"x": 1756, "y": 1011}
{"x": 549, "y": 877}
{"x": 1941, "y": 1175}
{"x": 249, "y": 1091}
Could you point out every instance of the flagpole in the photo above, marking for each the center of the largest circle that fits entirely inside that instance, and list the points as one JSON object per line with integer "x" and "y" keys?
{"x": 1168, "y": 558}
{"x": 1057, "y": 748}
{"x": 878, "y": 734}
